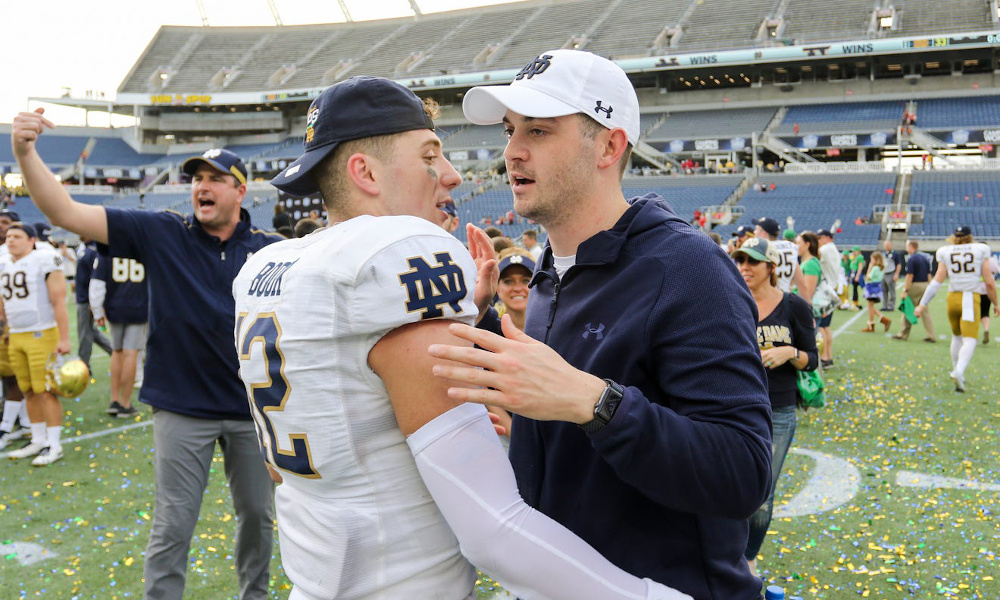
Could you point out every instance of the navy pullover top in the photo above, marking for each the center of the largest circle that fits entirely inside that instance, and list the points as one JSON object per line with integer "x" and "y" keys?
{"x": 665, "y": 489}
{"x": 191, "y": 362}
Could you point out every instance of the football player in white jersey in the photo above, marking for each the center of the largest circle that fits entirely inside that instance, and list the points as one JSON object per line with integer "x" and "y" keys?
{"x": 966, "y": 266}
{"x": 787, "y": 267}
{"x": 33, "y": 300}
{"x": 13, "y": 406}
{"x": 387, "y": 481}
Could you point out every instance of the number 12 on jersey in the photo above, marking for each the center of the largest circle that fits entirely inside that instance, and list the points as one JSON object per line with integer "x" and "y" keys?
{"x": 270, "y": 396}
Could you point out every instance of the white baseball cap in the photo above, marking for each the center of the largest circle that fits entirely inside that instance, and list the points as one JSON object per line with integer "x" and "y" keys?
{"x": 557, "y": 83}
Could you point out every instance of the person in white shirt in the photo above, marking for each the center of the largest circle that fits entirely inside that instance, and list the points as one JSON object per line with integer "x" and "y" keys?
{"x": 33, "y": 293}
{"x": 833, "y": 271}
{"x": 529, "y": 239}
{"x": 386, "y": 482}
{"x": 966, "y": 266}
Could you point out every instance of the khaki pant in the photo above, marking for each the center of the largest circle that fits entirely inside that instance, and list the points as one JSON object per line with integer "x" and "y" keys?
{"x": 916, "y": 293}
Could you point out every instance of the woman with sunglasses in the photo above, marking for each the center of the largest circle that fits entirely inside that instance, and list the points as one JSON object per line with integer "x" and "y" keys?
{"x": 786, "y": 334}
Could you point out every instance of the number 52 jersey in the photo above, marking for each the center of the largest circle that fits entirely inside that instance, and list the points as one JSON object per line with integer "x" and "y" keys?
{"x": 354, "y": 517}
{"x": 964, "y": 263}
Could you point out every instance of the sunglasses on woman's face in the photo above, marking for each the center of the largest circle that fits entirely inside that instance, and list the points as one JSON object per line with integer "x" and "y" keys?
{"x": 743, "y": 258}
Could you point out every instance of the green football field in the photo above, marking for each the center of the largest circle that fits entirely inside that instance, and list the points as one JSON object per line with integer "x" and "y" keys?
{"x": 891, "y": 491}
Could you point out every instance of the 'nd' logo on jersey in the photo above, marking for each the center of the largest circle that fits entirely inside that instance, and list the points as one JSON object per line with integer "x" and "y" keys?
{"x": 428, "y": 287}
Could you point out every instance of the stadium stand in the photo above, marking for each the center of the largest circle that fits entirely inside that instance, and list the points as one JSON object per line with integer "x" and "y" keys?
{"x": 712, "y": 123}
{"x": 818, "y": 201}
{"x": 927, "y": 17}
{"x": 855, "y": 117}
{"x": 952, "y": 198}
{"x": 817, "y": 20}
{"x": 685, "y": 194}
{"x": 644, "y": 19}
{"x": 740, "y": 21}
{"x": 959, "y": 112}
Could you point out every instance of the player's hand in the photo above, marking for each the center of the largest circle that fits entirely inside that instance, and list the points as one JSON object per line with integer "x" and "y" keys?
{"x": 25, "y": 130}
{"x": 63, "y": 347}
{"x": 100, "y": 322}
{"x": 487, "y": 272}
{"x": 517, "y": 374}
{"x": 501, "y": 420}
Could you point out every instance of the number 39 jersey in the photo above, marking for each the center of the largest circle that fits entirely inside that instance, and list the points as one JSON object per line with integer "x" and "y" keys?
{"x": 964, "y": 264}
{"x": 354, "y": 517}
{"x": 24, "y": 292}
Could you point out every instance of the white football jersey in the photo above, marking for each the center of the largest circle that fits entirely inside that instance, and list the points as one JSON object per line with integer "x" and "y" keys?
{"x": 354, "y": 517}
{"x": 964, "y": 265}
{"x": 788, "y": 261}
{"x": 24, "y": 292}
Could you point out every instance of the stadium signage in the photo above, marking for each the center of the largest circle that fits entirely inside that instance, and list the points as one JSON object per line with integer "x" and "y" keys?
{"x": 180, "y": 99}
{"x": 747, "y": 56}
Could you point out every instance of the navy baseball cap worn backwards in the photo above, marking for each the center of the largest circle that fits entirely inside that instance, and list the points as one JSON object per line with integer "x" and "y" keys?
{"x": 356, "y": 108}
{"x": 219, "y": 159}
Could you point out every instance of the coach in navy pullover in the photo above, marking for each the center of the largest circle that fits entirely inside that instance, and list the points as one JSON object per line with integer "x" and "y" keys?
{"x": 642, "y": 420}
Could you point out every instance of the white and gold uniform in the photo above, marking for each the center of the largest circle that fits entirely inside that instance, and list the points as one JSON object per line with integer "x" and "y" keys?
{"x": 30, "y": 317}
{"x": 788, "y": 261}
{"x": 964, "y": 265}
{"x": 354, "y": 517}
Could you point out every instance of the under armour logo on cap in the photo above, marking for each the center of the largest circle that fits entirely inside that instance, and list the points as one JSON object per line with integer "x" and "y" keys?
{"x": 599, "y": 108}
{"x": 535, "y": 67}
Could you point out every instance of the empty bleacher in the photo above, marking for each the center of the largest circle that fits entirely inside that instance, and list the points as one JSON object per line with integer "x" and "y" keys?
{"x": 716, "y": 20}
{"x": 820, "y": 20}
{"x": 685, "y": 193}
{"x": 643, "y": 19}
{"x": 959, "y": 112}
{"x": 952, "y": 198}
{"x": 852, "y": 117}
{"x": 712, "y": 123}
{"x": 817, "y": 202}
{"x": 931, "y": 17}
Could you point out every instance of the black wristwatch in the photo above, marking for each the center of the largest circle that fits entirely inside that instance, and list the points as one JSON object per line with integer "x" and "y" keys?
{"x": 605, "y": 408}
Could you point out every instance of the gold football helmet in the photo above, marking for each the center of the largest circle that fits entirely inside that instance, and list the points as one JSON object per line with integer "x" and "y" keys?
{"x": 66, "y": 376}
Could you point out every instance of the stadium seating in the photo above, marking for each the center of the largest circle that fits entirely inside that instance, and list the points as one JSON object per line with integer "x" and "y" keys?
{"x": 853, "y": 117}
{"x": 959, "y": 112}
{"x": 927, "y": 17}
{"x": 734, "y": 22}
{"x": 712, "y": 123}
{"x": 643, "y": 19}
{"x": 952, "y": 198}
{"x": 685, "y": 193}
{"x": 817, "y": 201}
{"x": 818, "y": 20}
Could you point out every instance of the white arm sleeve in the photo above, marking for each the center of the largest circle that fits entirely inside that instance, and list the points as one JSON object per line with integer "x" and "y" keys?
{"x": 96, "y": 292}
{"x": 464, "y": 466}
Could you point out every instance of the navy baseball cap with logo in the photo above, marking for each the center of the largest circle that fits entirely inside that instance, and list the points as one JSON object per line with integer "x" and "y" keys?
{"x": 516, "y": 260}
{"x": 825, "y": 232}
{"x": 963, "y": 230}
{"x": 558, "y": 83}
{"x": 42, "y": 231}
{"x": 356, "y": 108}
{"x": 742, "y": 230}
{"x": 769, "y": 225}
{"x": 222, "y": 160}
{"x": 13, "y": 216}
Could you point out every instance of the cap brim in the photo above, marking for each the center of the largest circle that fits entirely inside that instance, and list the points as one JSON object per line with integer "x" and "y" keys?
{"x": 191, "y": 165}
{"x": 488, "y": 105}
{"x": 752, "y": 253}
{"x": 297, "y": 178}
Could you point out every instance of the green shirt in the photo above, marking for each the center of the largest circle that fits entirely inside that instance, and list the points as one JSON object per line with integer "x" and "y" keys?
{"x": 875, "y": 275}
{"x": 812, "y": 267}
{"x": 857, "y": 262}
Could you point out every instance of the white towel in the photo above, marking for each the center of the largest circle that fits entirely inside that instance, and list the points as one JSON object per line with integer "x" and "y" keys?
{"x": 968, "y": 307}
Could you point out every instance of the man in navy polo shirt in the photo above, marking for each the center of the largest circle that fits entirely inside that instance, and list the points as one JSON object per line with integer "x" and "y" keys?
{"x": 191, "y": 378}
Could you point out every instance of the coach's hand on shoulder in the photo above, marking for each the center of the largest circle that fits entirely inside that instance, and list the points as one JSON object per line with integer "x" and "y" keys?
{"x": 518, "y": 374}
{"x": 487, "y": 271}
{"x": 25, "y": 130}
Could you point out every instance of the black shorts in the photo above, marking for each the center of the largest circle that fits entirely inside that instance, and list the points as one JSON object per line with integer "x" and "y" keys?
{"x": 824, "y": 321}
{"x": 984, "y": 305}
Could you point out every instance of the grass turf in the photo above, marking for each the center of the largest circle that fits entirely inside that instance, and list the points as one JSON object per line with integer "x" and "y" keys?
{"x": 890, "y": 407}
